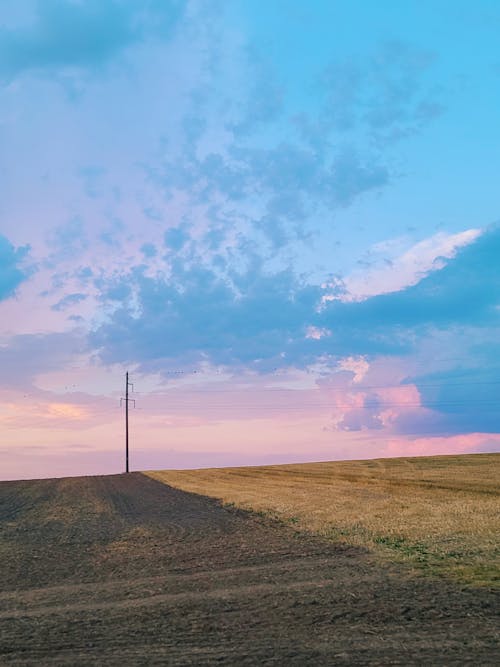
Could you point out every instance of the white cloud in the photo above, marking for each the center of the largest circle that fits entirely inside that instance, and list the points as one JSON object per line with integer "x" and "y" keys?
{"x": 357, "y": 365}
{"x": 317, "y": 333}
{"x": 386, "y": 274}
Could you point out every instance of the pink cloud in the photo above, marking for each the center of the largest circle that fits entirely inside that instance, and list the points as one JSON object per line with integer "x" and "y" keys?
{"x": 468, "y": 443}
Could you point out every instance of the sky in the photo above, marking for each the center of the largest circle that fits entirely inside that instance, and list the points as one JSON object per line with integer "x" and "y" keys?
{"x": 281, "y": 218}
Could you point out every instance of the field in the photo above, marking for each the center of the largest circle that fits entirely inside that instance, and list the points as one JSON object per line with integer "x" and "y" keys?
{"x": 125, "y": 570}
{"x": 439, "y": 514}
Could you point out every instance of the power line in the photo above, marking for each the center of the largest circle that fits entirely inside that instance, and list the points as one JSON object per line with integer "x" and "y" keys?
{"x": 357, "y": 388}
{"x": 346, "y": 406}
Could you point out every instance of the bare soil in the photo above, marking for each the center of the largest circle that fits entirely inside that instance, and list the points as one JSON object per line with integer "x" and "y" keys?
{"x": 125, "y": 570}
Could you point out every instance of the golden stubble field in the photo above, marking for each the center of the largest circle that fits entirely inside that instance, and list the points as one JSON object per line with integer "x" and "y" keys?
{"x": 438, "y": 514}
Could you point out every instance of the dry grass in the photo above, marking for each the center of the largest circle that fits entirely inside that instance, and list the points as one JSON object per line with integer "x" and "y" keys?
{"x": 440, "y": 513}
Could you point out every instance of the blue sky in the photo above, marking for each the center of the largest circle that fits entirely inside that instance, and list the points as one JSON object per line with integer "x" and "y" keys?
{"x": 292, "y": 206}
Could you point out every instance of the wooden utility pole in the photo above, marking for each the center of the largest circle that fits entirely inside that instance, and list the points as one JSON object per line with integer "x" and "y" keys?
{"x": 126, "y": 421}
{"x": 127, "y": 400}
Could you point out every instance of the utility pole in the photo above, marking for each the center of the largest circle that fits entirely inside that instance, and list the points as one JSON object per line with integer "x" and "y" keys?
{"x": 127, "y": 401}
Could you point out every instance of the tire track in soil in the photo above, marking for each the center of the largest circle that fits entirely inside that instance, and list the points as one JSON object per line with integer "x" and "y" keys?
{"x": 125, "y": 570}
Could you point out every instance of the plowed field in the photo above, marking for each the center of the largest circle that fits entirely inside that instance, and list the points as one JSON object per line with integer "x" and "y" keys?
{"x": 124, "y": 570}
